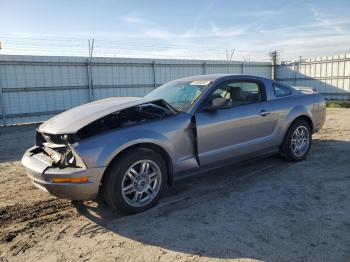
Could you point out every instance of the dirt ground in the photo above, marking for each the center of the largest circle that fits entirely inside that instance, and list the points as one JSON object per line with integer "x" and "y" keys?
{"x": 265, "y": 210}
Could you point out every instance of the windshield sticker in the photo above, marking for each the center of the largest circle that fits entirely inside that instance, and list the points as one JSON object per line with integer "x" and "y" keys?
{"x": 200, "y": 83}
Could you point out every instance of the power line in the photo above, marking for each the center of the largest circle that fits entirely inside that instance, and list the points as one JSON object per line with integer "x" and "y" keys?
{"x": 110, "y": 43}
{"x": 28, "y": 45}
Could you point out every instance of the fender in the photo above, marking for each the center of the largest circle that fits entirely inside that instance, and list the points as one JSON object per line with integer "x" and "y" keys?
{"x": 116, "y": 142}
{"x": 294, "y": 113}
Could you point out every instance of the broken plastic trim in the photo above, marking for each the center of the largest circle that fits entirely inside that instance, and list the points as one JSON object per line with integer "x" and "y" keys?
{"x": 58, "y": 149}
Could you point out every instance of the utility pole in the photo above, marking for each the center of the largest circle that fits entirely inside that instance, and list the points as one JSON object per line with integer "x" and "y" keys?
{"x": 274, "y": 55}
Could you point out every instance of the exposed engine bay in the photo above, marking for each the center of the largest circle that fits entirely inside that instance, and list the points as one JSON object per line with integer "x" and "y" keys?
{"x": 127, "y": 117}
{"x": 58, "y": 149}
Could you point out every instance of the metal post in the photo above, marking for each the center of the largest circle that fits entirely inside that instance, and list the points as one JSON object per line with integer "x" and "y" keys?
{"x": 348, "y": 97}
{"x": 89, "y": 71}
{"x": 204, "y": 68}
{"x": 315, "y": 75}
{"x": 89, "y": 77}
{"x": 154, "y": 74}
{"x": 2, "y": 104}
{"x": 344, "y": 68}
{"x": 326, "y": 75}
{"x": 338, "y": 65}
{"x": 295, "y": 74}
{"x": 331, "y": 76}
{"x": 273, "y": 56}
{"x": 321, "y": 63}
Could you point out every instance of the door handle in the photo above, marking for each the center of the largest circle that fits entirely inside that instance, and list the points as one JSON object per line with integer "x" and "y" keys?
{"x": 264, "y": 112}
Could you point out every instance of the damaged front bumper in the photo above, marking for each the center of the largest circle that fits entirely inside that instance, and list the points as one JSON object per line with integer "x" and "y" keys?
{"x": 42, "y": 173}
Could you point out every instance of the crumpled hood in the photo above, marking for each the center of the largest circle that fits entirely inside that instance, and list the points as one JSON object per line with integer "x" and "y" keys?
{"x": 74, "y": 119}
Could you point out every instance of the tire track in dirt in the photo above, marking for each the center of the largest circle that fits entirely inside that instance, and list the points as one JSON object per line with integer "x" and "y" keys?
{"x": 21, "y": 213}
{"x": 21, "y": 219}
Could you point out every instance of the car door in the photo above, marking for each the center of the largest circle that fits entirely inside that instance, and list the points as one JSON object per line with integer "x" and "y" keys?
{"x": 243, "y": 129}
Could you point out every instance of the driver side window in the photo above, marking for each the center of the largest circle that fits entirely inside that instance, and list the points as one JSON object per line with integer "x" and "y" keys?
{"x": 240, "y": 93}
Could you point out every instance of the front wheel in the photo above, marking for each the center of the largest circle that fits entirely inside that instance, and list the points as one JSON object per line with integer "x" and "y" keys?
{"x": 134, "y": 182}
{"x": 297, "y": 142}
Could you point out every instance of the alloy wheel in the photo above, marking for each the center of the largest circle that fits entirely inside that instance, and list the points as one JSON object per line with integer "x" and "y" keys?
{"x": 141, "y": 183}
{"x": 300, "y": 141}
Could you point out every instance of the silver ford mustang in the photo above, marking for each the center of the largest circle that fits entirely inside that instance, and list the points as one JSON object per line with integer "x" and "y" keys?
{"x": 127, "y": 149}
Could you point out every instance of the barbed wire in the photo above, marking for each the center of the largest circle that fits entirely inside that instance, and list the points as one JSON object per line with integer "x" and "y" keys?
{"x": 54, "y": 46}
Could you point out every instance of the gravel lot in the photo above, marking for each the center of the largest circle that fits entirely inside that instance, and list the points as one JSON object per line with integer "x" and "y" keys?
{"x": 268, "y": 210}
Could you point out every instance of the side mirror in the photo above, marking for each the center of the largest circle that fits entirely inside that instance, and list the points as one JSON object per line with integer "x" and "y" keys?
{"x": 218, "y": 103}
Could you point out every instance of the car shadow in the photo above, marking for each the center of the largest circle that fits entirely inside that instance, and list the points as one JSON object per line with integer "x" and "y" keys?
{"x": 266, "y": 209}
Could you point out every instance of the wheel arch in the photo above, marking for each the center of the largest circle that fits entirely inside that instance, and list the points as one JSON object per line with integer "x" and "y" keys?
{"x": 148, "y": 145}
{"x": 307, "y": 119}
{"x": 299, "y": 117}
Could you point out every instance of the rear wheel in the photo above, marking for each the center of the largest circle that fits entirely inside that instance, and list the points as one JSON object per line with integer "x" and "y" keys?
{"x": 297, "y": 142}
{"x": 134, "y": 182}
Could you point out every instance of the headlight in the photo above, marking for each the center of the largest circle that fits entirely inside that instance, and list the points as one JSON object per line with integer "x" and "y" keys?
{"x": 70, "y": 138}
{"x": 70, "y": 158}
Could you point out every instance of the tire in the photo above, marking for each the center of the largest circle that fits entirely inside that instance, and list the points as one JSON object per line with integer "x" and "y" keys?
{"x": 288, "y": 148}
{"x": 126, "y": 172}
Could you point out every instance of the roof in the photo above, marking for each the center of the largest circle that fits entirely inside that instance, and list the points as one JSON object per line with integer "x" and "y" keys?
{"x": 213, "y": 77}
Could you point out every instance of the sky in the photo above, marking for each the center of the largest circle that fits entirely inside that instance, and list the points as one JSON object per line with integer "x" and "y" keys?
{"x": 176, "y": 29}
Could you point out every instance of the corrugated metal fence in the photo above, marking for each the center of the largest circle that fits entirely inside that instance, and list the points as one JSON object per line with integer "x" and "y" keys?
{"x": 329, "y": 75}
{"x": 34, "y": 88}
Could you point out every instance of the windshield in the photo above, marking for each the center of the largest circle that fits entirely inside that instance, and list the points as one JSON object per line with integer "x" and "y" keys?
{"x": 180, "y": 94}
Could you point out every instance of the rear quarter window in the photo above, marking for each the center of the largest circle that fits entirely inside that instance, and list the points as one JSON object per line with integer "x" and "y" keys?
{"x": 281, "y": 91}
